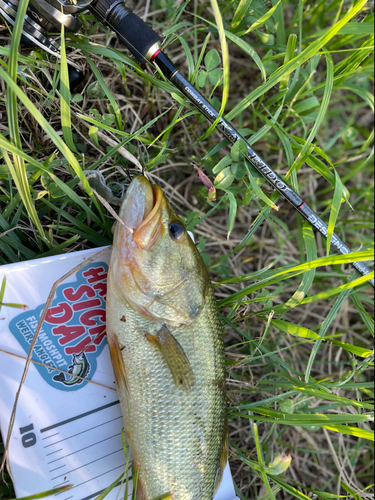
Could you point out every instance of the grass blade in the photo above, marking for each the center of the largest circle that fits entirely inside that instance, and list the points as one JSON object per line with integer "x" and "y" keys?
{"x": 335, "y": 208}
{"x": 289, "y": 53}
{"x": 335, "y": 291}
{"x": 351, "y": 431}
{"x": 300, "y": 331}
{"x": 257, "y": 189}
{"x": 55, "y": 491}
{"x": 308, "y": 277}
{"x": 240, "y": 13}
{"x": 66, "y": 123}
{"x": 105, "y": 492}
{"x": 296, "y": 330}
{"x": 2, "y": 291}
{"x": 276, "y": 275}
{"x": 289, "y": 489}
{"x": 225, "y": 55}
{"x": 232, "y": 211}
{"x": 18, "y": 170}
{"x": 50, "y": 131}
{"x": 262, "y": 464}
{"x": 244, "y": 45}
{"x": 366, "y": 318}
{"x": 295, "y": 63}
{"x": 324, "y": 328}
{"x": 279, "y": 22}
{"x": 6, "y": 145}
{"x": 322, "y": 112}
{"x": 352, "y": 493}
{"x": 108, "y": 93}
{"x": 262, "y": 20}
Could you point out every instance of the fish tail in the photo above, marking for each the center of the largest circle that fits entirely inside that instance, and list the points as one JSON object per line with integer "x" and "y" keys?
{"x": 60, "y": 377}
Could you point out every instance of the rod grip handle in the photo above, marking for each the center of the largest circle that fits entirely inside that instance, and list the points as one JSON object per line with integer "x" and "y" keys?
{"x": 137, "y": 36}
{"x": 130, "y": 29}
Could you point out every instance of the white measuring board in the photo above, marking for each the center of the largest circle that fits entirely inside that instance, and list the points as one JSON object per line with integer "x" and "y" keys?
{"x": 66, "y": 431}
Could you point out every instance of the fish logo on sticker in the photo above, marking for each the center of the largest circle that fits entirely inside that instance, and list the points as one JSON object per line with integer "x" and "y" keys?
{"x": 73, "y": 332}
{"x": 78, "y": 370}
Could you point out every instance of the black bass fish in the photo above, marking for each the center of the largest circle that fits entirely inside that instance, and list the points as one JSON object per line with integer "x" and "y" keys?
{"x": 166, "y": 343}
{"x": 78, "y": 370}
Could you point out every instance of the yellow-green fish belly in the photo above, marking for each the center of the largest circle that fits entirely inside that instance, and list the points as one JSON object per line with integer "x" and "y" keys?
{"x": 176, "y": 436}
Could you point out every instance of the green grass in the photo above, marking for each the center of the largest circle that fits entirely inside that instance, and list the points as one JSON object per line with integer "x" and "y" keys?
{"x": 297, "y": 79}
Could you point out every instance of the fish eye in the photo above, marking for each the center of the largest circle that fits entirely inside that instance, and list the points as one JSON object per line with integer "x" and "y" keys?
{"x": 176, "y": 230}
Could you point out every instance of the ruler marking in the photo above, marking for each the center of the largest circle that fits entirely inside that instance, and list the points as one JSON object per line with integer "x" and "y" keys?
{"x": 60, "y": 484}
{"x": 85, "y": 448}
{"x": 92, "y": 478}
{"x": 89, "y": 463}
{"x": 82, "y": 432}
{"x": 58, "y": 468}
{"x": 53, "y": 452}
{"x": 77, "y": 417}
{"x": 50, "y": 436}
{"x": 120, "y": 483}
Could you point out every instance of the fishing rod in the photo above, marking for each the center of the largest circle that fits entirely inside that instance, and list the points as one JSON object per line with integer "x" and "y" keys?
{"x": 145, "y": 45}
{"x": 171, "y": 73}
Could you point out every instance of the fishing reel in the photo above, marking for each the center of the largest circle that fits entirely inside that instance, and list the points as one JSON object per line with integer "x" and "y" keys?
{"x": 44, "y": 17}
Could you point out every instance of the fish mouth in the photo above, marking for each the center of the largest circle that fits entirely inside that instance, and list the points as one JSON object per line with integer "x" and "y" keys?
{"x": 142, "y": 212}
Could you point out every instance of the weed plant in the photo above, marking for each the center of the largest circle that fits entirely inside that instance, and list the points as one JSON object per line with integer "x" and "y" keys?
{"x": 296, "y": 78}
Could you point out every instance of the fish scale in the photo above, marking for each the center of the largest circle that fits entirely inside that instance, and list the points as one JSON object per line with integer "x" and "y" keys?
{"x": 162, "y": 419}
{"x": 176, "y": 431}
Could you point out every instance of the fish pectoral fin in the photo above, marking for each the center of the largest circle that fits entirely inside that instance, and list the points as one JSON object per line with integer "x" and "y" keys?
{"x": 117, "y": 361}
{"x": 175, "y": 357}
{"x": 223, "y": 460}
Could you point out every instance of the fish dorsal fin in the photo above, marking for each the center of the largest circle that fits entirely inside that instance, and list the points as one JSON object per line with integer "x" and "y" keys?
{"x": 117, "y": 361}
{"x": 223, "y": 460}
{"x": 175, "y": 357}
